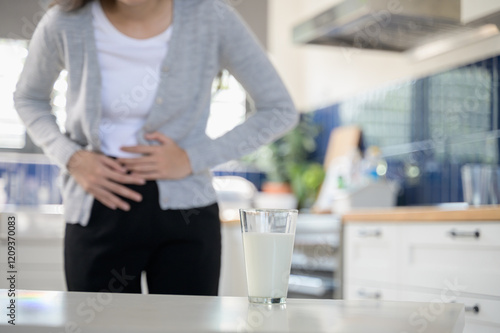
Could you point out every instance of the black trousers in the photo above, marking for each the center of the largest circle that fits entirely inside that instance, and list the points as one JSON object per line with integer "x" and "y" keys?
{"x": 180, "y": 250}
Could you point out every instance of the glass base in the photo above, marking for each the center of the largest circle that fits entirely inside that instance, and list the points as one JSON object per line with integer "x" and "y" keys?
{"x": 267, "y": 300}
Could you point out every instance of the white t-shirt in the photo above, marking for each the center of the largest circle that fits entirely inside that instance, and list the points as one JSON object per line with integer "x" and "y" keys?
{"x": 130, "y": 73}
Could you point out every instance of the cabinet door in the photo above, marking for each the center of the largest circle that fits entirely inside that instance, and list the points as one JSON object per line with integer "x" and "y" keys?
{"x": 371, "y": 252}
{"x": 463, "y": 255}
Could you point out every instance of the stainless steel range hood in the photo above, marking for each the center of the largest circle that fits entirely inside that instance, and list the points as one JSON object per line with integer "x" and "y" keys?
{"x": 392, "y": 25}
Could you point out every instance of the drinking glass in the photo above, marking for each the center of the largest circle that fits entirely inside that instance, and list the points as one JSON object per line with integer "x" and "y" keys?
{"x": 477, "y": 183}
{"x": 268, "y": 237}
{"x": 495, "y": 191}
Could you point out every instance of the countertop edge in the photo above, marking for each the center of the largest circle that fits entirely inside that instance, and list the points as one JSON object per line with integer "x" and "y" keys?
{"x": 425, "y": 214}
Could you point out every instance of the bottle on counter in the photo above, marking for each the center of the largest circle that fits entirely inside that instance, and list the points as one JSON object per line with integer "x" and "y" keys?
{"x": 373, "y": 165}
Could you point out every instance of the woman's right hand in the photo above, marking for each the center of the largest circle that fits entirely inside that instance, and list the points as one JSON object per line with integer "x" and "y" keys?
{"x": 102, "y": 177}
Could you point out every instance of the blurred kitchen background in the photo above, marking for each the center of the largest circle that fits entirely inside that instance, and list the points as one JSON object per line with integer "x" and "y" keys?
{"x": 409, "y": 116}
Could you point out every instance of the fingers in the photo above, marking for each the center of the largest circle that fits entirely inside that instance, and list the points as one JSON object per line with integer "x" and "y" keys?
{"x": 140, "y": 149}
{"x": 135, "y": 161}
{"x": 124, "y": 178}
{"x": 122, "y": 191}
{"x": 157, "y": 136}
{"x": 110, "y": 200}
{"x": 103, "y": 177}
{"x": 113, "y": 164}
{"x": 140, "y": 169}
{"x": 108, "y": 193}
{"x": 140, "y": 166}
{"x": 149, "y": 175}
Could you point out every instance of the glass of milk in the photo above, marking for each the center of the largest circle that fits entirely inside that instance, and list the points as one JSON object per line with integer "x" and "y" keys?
{"x": 268, "y": 236}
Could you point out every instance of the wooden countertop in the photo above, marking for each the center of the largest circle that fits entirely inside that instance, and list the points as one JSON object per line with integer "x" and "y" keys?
{"x": 424, "y": 214}
{"x": 51, "y": 311}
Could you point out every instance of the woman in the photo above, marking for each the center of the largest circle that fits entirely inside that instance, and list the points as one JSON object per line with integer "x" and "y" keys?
{"x": 135, "y": 158}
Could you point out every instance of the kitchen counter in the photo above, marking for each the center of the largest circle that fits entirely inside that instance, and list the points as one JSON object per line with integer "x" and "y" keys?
{"x": 422, "y": 253}
{"x": 51, "y": 311}
{"x": 450, "y": 213}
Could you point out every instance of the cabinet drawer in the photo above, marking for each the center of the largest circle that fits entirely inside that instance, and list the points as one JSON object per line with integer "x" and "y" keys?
{"x": 371, "y": 252}
{"x": 468, "y": 281}
{"x": 467, "y": 254}
{"x": 477, "y": 310}
{"x": 465, "y": 234}
{"x": 364, "y": 292}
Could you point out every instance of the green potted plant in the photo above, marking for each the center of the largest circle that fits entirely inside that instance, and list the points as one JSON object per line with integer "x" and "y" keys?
{"x": 286, "y": 165}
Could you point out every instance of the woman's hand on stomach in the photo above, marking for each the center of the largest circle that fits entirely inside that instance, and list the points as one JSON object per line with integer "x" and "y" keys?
{"x": 103, "y": 177}
{"x": 164, "y": 161}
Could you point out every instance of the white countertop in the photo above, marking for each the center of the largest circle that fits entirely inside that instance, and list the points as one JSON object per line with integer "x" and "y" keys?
{"x": 50, "y": 311}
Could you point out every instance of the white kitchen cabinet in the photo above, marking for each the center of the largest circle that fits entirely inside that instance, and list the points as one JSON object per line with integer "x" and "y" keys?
{"x": 437, "y": 254}
{"x": 39, "y": 264}
{"x": 39, "y": 248}
{"x": 426, "y": 261}
{"x": 233, "y": 280}
{"x": 35, "y": 276}
{"x": 372, "y": 252}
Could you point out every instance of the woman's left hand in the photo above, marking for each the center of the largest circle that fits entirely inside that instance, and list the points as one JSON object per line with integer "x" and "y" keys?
{"x": 165, "y": 161}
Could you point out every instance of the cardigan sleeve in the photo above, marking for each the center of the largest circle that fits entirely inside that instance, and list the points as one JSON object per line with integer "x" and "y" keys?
{"x": 32, "y": 98}
{"x": 243, "y": 56}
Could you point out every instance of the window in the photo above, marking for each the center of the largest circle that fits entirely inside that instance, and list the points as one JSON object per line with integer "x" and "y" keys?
{"x": 12, "y": 56}
{"x": 228, "y": 107}
{"x": 12, "y": 131}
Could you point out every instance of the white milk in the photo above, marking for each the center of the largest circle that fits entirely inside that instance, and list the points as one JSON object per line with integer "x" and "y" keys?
{"x": 267, "y": 258}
